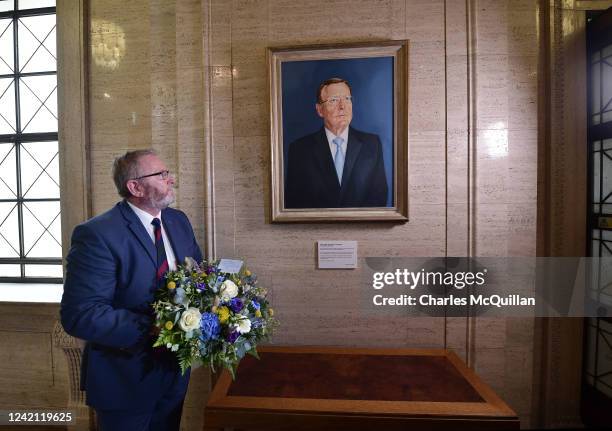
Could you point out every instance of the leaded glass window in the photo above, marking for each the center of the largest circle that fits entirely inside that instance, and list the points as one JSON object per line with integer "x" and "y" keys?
{"x": 30, "y": 229}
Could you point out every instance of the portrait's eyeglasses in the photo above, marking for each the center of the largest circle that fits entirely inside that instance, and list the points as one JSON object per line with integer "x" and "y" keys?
{"x": 334, "y": 100}
{"x": 163, "y": 174}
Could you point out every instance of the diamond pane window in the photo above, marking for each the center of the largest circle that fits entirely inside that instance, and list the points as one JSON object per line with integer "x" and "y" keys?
{"x": 41, "y": 235}
{"x": 37, "y": 43}
{"x": 34, "y": 4}
{"x": 8, "y": 229}
{"x": 8, "y": 124}
{"x": 7, "y": 5}
{"x": 38, "y": 100}
{"x": 39, "y": 170}
{"x": 6, "y": 46}
{"x": 8, "y": 172}
{"x": 601, "y": 84}
{"x": 30, "y": 229}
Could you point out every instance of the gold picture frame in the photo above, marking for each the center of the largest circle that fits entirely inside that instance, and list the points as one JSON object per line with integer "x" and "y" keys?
{"x": 302, "y": 189}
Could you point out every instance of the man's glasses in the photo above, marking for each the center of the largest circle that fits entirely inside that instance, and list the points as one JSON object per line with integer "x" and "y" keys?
{"x": 334, "y": 100}
{"x": 163, "y": 174}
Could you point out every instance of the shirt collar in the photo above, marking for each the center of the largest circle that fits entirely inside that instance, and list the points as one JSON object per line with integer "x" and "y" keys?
{"x": 142, "y": 215}
{"x": 343, "y": 135}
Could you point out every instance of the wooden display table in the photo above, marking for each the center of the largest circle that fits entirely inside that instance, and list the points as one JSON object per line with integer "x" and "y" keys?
{"x": 322, "y": 388}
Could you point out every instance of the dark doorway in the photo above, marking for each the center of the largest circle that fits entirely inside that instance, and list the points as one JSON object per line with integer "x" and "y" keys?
{"x": 596, "y": 403}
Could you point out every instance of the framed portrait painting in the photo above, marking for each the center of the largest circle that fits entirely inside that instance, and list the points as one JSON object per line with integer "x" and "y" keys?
{"x": 338, "y": 116}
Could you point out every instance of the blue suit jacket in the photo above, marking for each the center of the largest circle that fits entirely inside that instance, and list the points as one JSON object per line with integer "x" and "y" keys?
{"x": 312, "y": 181}
{"x": 109, "y": 286}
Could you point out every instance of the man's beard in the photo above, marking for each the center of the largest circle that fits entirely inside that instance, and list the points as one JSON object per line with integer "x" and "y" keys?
{"x": 161, "y": 202}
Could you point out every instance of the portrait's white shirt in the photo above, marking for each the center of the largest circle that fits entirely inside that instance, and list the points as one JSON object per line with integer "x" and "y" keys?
{"x": 146, "y": 220}
{"x": 332, "y": 146}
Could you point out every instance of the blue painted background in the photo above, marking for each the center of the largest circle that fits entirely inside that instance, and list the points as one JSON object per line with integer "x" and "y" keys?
{"x": 371, "y": 82}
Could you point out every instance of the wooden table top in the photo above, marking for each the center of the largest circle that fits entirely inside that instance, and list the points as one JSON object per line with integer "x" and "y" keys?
{"x": 406, "y": 382}
{"x": 344, "y": 376}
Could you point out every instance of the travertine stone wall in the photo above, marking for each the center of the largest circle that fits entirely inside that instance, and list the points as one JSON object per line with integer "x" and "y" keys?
{"x": 192, "y": 81}
{"x": 505, "y": 53}
{"x": 33, "y": 372}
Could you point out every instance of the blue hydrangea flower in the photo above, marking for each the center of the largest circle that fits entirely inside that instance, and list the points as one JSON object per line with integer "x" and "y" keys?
{"x": 210, "y": 326}
{"x": 255, "y": 305}
{"x": 200, "y": 286}
{"x": 179, "y": 296}
{"x": 236, "y": 305}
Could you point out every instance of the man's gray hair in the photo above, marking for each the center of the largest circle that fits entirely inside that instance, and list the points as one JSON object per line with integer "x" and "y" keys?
{"x": 125, "y": 167}
{"x": 331, "y": 81}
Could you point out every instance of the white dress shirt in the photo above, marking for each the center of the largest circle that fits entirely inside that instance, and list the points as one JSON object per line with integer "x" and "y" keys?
{"x": 332, "y": 146}
{"x": 146, "y": 220}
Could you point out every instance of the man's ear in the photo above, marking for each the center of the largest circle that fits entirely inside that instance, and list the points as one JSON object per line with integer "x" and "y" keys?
{"x": 319, "y": 108}
{"x": 134, "y": 187}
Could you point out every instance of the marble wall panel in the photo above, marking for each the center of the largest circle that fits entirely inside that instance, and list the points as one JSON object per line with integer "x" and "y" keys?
{"x": 35, "y": 351}
{"x": 491, "y": 91}
{"x": 456, "y": 92}
{"x": 456, "y": 335}
{"x": 491, "y": 230}
{"x": 33, "y": 372}
{"x": 426, "y": 176}
{"x": 317, "y": 22}
{"x": 425, "y": 20}
{"x": 492, "y": 27}
{"x": 120, "y": 93}
{"x": 518, "y": 384}
{"x": 522, "y": 96}
{"x": 398, "y": 20}
{"x": 220, "y": 29}
{"x": 426, "y": 105}
{"x": 163, "y": 69}
{"x": 196, "y": 71}
{"x": 522, "y": 29}
{"x": 490, "y": 365}
{"x": 190, "y": 112}
{"x": 456, "y": 37}
{"x": 457, "y": 157}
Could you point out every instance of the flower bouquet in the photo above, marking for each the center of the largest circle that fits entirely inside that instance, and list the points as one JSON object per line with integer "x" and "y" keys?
{"x": 211, "y": 317}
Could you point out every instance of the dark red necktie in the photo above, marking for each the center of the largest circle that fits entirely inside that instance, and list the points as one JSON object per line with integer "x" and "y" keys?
{"x": 162, "y": 260}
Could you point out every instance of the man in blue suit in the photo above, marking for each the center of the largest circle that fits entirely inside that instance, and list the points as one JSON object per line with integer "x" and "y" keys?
{"x": 337, "y": 166}
{"x": 116, "y": 262}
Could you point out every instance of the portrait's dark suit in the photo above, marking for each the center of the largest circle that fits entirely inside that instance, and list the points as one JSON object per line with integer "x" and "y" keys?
{"x": 312, "y": 181}
{"x": 109, "y": 286}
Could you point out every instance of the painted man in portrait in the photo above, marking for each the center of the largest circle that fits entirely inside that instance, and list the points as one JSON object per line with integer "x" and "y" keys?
{"x": 337, "y": 166}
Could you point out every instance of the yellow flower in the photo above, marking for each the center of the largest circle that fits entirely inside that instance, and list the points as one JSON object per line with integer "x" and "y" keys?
{"x": 271, "y": 312}
{"x": 171, "y": 285}
{"x": 247, "y": 273}
{"x": 257, "y": 313}
{"x": 169, "y": 325}
{"x": 223, "y": 313}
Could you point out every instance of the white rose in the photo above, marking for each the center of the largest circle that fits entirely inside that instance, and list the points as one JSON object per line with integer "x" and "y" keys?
{"x": 190, "y": 319}
{"x": 243, "y": 326}
{"x": 228, "y": 290}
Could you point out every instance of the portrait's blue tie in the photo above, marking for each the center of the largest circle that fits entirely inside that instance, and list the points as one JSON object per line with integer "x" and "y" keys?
{"x": 339, "y": 158}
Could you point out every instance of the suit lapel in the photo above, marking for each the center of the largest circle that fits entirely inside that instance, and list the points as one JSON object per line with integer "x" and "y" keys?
{"x": 171, "y": 231}
{"x": 325, "y": 162}
{"x": 353, "y": 148}
{"x": 135, "y": 225}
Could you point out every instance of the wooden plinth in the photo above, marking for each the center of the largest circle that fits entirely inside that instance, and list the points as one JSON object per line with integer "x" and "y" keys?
{"x": 322, "y": 388}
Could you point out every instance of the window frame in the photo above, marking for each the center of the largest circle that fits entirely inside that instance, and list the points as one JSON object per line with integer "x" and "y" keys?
{"x": 19, "y": 138}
